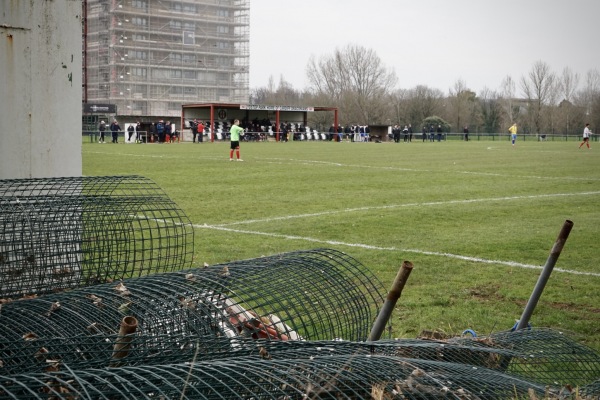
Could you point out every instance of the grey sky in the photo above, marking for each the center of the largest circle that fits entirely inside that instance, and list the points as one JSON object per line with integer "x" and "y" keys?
{"x": 431, "y": 42}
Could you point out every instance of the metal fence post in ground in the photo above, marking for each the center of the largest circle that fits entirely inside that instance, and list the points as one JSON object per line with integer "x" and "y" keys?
{"x": 545, "y": 275}
{"x": 390, "y": 302}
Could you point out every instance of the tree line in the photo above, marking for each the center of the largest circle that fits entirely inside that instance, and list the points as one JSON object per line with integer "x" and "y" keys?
{"x": 365, "y": 91}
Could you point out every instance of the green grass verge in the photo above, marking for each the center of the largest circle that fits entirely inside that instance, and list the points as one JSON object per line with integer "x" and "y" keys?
{"x": 472, "y": 217}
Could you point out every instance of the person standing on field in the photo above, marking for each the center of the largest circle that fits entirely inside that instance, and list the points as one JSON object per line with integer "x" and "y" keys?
{"x": 396, "y": 133}
{"x": 138, "y": 132}
{"x": 194, "y": 129}
{"x": 586, "y": 136}
{"x": 235, "y": 133}
{"x": 115, "y": 129}
{"x": 101, "y": 129}
{"x": 130, "y": 131}
{"x": 168, "y": 131}
{"x": 160, "y": 131}
{"x": 200, "y": 129}
{"x": 513, "y": 133}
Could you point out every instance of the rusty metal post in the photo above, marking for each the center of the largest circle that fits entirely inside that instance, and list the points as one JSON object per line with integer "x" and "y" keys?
{"x": 123, "y": 343}
{"x": 545, "y": 275}
{"x": 390, "y": 302}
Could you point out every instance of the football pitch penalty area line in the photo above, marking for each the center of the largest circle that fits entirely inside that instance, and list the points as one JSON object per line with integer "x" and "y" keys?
{"x": 395, "y": 249}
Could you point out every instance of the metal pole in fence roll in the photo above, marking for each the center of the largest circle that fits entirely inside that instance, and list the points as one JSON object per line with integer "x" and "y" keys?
{"x": 545, "y": 275}
{"x": 390, "y": 302}
{"x": 121, "y": 348}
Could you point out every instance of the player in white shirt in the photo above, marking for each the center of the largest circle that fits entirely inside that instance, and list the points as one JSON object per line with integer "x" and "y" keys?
{"x": 586, "y": 136}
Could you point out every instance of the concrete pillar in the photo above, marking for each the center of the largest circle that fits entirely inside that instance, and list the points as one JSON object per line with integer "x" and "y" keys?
{"x": 40, "y": 88}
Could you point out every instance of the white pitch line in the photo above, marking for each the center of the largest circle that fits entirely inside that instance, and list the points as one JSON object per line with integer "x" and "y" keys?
{"x": 379, "y": 248}
{"x": 391, "y": 206}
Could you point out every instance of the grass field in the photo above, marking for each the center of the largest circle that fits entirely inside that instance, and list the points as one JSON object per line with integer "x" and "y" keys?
{"x": 477, "y": 219}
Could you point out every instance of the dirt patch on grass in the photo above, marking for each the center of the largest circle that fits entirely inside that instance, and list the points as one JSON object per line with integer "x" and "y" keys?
{"x": 486, "y": 293}
{"x": 573, "y": 307}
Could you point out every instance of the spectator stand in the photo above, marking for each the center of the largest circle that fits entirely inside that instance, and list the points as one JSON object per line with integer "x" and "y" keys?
{"x": 219, "y": 116}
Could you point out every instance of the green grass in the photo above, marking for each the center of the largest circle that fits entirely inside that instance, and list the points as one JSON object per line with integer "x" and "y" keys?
{"x": 470, "y": 216}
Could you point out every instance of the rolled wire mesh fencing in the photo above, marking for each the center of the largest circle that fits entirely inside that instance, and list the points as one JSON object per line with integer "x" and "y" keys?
{"x": 307, "y": 295}
{"x": 471, "y": 368}
{"x": 62, "y": 233}
{"x": 246, "y": 329}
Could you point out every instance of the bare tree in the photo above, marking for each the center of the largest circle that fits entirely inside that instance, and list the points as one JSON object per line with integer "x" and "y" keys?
{"x": 283, "y": 94}
{"x": 590, "y": 91}
{"x": 592, "y": 99}
{"x": 508, "y": 90}
{"x": 550, "y": 111}
{"x": 490, "y": 109}
{"x": 423, "y": 102}
{"x": 538, "y": 87}
{"x": 356, "y": 77}
{"x": 593, "y": 80}
{"x": 462, "y": 104}
{"x": 569, "y": 81}
{"x": 567, "y": 84}
{"x": 271, "y": 84}
{"x": 325, "y": 75}
{"x": 399, "y": 107}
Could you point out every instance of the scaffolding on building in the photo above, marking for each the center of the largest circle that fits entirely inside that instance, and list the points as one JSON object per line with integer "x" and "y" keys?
{"x": 148, "y": 57}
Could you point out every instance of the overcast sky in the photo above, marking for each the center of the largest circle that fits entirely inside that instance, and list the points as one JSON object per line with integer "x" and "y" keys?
{"x": 430, "y": 42}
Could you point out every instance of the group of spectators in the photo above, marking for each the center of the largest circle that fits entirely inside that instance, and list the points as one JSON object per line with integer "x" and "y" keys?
{"x": 163, "y": 132}
{"x": 428, "y": 133}
{"x": 253, "y": 130}
{"x": 159, "y": 132}
{"x": 353, "y": 133}
{"x": 256, "y": 125}
{"x": 197, "y": 128}
{"x": 257, "y": 130}
{"x": 397, "y": 133}
{"x": 433, "y": 131}
{"x": 114, "y": 128}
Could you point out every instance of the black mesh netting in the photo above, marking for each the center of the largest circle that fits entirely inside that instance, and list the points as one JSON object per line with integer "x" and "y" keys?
{"x": 59, "y": 233}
